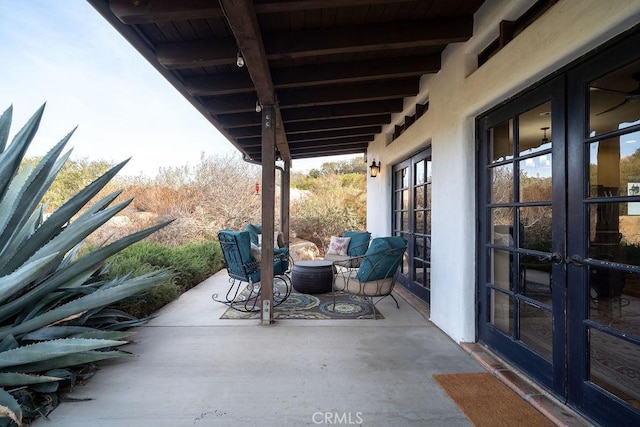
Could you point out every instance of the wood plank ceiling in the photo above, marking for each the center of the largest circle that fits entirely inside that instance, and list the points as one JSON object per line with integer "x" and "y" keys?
{"x": 336, "y": 70}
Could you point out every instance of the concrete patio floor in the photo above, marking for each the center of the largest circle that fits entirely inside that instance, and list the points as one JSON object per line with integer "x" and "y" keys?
{"x": 193, "y": 368}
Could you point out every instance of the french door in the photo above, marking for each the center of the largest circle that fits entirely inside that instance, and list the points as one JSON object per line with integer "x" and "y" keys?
{"x": 559, "y": 230}
{"x": 412, "y": 220}
{"x": 522, "y": 229}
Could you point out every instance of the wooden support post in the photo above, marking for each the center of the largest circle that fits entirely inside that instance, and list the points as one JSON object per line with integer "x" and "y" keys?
{"x": 285, "y": 200}
{"x": 268, "y": 214}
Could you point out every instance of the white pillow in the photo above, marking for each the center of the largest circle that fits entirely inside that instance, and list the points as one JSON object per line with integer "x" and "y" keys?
{"x": 256, "y": 253}
{"x": 275, "y": 239}
{"x": 338, "y": 245}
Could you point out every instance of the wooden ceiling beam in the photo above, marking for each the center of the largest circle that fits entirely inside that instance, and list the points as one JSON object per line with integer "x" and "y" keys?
{"x": 317, "y": 114}
{"x": 335, "y": 151}
{"x": 252, "y": 146}
{"x": 153, "y": 11}
{"x": 331, "y": 124}
{"x": 315, "y": 96}
{"x": 238, "y": 120}
{"x": 359, "y": 71}
{"x": 150, "y": 11}
{"x": 198, "y": 53}
{"x": 319, "y": 125}
{"x": 296, "y": 98}
{"x": 318, "y": 135}
{"x": 387, "y": 106}
{"x": 316, "y": 75}
{"x": 230, "y": 104}
{"x": 359, "y": 38}
{"x": 219, "y": 84}
{"x": 275, "y": 6}
{"x": 346, "y": 141}
{"x": 290, "y": 45}
{"x": 242, "y": 19}
{"x": 335, "y": 134}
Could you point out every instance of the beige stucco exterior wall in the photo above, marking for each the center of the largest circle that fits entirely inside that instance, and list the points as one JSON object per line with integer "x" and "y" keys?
{"x": 457, "y": 94}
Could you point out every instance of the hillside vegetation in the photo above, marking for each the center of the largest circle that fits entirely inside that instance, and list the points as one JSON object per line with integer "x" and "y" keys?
{"x": 219, "y": 193}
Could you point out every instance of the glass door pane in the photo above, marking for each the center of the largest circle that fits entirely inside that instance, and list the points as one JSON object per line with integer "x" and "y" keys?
{"x": 412, "y": 220}
{"x": 521, "y": 273}
{"x": 604, "y": 246}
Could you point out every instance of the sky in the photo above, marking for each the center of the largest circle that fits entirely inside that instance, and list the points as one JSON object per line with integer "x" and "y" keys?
{"x": 63, "y": 53}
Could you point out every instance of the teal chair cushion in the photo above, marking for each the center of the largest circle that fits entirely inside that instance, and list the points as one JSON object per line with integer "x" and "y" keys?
{"x": 281, "y": 264}
{"x": 359, "y": 242}
{"x": 238, "y": 259}
{"x": 254, "y": 230}
{"x": 382, "y": 258}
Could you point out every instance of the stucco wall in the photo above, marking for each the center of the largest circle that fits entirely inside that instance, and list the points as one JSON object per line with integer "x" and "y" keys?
{"x": 457, "y": 94}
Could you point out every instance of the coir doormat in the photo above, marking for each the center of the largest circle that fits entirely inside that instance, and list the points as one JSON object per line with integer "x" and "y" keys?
{"x": 488, "y": 402}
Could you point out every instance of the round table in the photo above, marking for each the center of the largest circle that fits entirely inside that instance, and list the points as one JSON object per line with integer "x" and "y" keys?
{"x": 312, "y": 277}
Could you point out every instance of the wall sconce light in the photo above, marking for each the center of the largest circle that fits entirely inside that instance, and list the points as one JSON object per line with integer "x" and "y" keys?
{"x": 374, "y": 168}
{"x": 239, "y": 60}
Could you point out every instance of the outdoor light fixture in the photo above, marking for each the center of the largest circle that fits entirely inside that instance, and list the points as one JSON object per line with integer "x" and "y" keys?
{"x": 258, "y": 106}
{"x": 374, "y": 169}
{"x": 239, "y": 60}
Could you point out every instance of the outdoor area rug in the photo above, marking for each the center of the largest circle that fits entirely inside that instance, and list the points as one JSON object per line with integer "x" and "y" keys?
{"x": 488, "y": 402}
{"x": 319, "y": 306}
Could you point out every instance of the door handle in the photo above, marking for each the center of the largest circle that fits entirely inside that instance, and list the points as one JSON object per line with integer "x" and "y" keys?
{"x": 576, "y": 260}
{"x": 555, "y": 258}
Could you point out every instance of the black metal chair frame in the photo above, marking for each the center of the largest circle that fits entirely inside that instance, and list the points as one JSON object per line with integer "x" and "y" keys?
{"x": 342, "y": 268}
{"x": 247, "y": 298}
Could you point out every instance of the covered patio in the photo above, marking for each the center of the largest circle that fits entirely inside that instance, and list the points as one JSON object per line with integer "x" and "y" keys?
{"x": 286, "y": 80}
{"x": 444, "y": 97}
{"x": 193, "y": 368}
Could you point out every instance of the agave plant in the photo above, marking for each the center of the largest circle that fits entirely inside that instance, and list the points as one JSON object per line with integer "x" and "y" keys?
{"x": 54, "y": 306}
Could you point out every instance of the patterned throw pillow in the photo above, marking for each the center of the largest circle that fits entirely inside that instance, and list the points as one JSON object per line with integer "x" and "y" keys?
{"x": 338, "y": 245}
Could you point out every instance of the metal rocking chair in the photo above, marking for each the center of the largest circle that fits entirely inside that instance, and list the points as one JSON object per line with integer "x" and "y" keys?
{"x": 243, "y": 268}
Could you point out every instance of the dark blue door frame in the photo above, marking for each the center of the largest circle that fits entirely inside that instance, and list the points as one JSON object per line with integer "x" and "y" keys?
{"x": 566, "y": 373}
{"x": 411, "y": 209}
{"x": 549, "y": 372}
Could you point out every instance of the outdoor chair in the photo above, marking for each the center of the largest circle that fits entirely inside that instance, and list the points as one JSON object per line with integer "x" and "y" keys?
{"x": 255, "y": 232}
{"x": 349, "y": 248}
{"x": 242, "y": 260}
{"x": 377, "y": 272}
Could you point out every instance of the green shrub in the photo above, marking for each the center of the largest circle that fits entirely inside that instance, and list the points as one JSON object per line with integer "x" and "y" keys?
{"x": 192, "y": 264}
{"x": 336, "y": 203}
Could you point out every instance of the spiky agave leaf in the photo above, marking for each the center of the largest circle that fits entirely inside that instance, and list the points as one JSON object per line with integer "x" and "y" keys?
{"x": 16, "y": 281}
{"x": 56, "y": 332}
{"x": 11, "y": 157}
{"x": 30, "y": 194}
{"x": 49, "y": 349}
{"x": 13, "y": 379}
{"x": 84, "y": 266}
{"x": 9, "y": 407}
{"x": 72, "y": 234}
{"x": 71, "y": 360}
{"x": 5, "y": 127}
{"x": 57, "y": 287}
{"x": 61, "y": 216}
{"x": 23, "y": 203}
{"x": 97, "y": 299}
